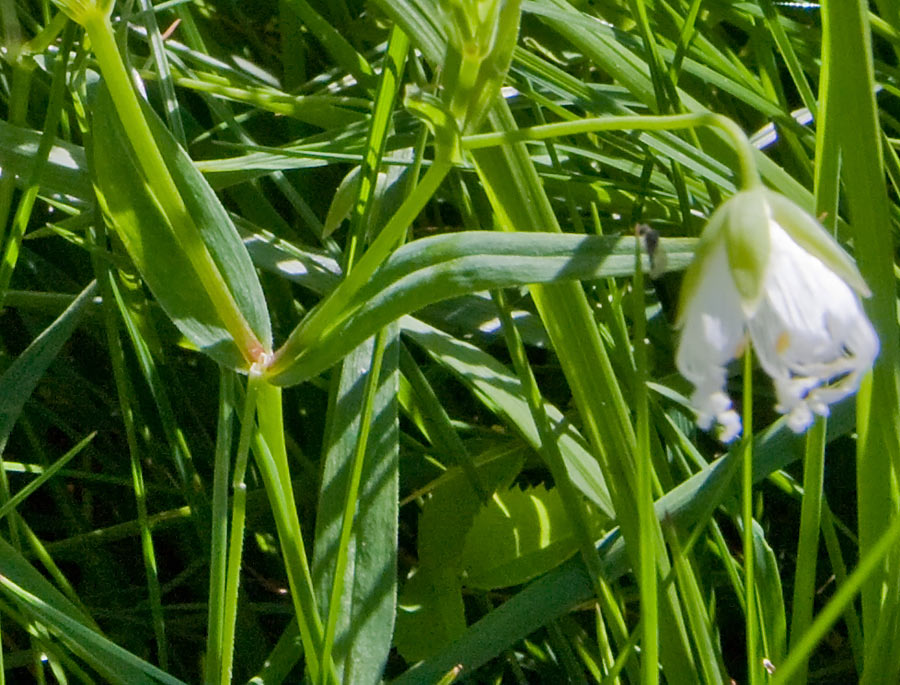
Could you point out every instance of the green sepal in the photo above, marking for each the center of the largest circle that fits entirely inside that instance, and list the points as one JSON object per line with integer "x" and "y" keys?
{"x": 812, "y": 237}
{"x": 747, "y": 243}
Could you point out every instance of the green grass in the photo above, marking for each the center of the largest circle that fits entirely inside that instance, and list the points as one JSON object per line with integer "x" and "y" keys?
{"x": 321, "y": 361}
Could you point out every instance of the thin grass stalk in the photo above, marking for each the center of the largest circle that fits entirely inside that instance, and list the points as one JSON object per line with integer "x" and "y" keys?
{"x": 446, "y": 433}
{"x": 705, "y": 638}
{"x": 48, "y": 473}
{"x": 808, "y": 543}
{"x": 166, "y": 86}
{"x": 218, "y": 553}
{"x": 791, "y": 61}
{"x": 40, "y": 552}
{"x": 17, "y": 113}
{"x": 614, "y": 617}
{"x": 604, "y": 646}
{"x": 751, "y": 619}
{"x": 385, "y": 98}
{"x": 191, "y": 487}
{"x": 662, "y": 90}
{"x": 636, "y": 122}
{"x": 880, "y": 668}
{"x": 839, "y": 568}
{"x": 647, "y": 579}
{"x": 687, "y": 31}
{"x": 225, "y": 648}
{"x": 127, "y": 402}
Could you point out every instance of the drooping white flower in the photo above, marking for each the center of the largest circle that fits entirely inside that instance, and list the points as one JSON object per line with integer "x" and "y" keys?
{"x": 767, "y": 269}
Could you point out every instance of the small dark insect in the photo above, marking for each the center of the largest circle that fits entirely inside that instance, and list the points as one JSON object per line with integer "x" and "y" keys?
{"x": 654, "y": 250}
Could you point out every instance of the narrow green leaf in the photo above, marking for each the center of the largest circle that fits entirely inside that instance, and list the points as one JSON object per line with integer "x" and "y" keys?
{"x": 444, "y": 266}
{"x": 21, "y": 582}
{"x": 19, "y": 380}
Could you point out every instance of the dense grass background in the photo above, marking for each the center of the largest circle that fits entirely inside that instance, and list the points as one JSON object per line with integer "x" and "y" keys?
{"x": 450, "y": 468}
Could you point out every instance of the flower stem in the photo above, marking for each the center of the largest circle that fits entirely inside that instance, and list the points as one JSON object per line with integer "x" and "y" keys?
{"x": 747, "y": 515}
{"x": 646, "y": 514}
{"x": 749, "y": 174}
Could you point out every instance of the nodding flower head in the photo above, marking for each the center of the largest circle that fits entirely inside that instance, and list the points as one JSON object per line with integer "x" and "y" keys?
{"x": 767, "y": 270}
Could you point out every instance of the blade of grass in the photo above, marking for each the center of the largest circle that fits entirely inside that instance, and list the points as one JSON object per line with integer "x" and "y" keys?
{"x": 127, "y": 403}
{"x": 22, "y": 376}
{"x": 223, "y": 652}
{"x": 850, "y": 104}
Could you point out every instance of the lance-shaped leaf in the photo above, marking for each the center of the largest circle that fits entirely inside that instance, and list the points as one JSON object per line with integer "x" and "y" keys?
{"x": 145, "y": 229}
{"x": 438, "y": 268}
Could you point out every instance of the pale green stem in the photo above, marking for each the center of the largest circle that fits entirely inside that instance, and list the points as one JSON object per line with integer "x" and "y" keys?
{"x": 747, "y": 515}
{"x": 163, "y": 186}
{"x": 808, "y": 544}
{"x": 218, "y": 558}
{"x": 236, "y": 541}
{"x": 743, "y": 148}
{"x": 334, "y": 309}
{"x": 646, "y": 514}
{"x": 271, "y": 460}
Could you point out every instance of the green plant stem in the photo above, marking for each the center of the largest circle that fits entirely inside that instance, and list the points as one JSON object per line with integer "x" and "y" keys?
{"x": 271, "y": 460}
{"x": 647, "y": 578}
{"x": 331, "y": 311}
{"x": 162, "y": 185}
{"x": 747, "y": 516}
{"x": 808, "y": 544}
{"x": 743, "y": 148}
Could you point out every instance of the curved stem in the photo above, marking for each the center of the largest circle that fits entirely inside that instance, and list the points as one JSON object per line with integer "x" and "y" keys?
{"x": 333, "y": 310}
{"x": 636, "y": 122}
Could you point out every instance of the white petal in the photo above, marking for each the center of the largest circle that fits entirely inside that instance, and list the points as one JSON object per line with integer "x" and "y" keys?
{"x": 712, "y": 335}
{"x": 809, "y": 332}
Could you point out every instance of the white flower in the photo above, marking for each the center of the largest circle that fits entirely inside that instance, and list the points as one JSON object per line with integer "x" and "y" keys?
{"x": 765, "y": 267}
